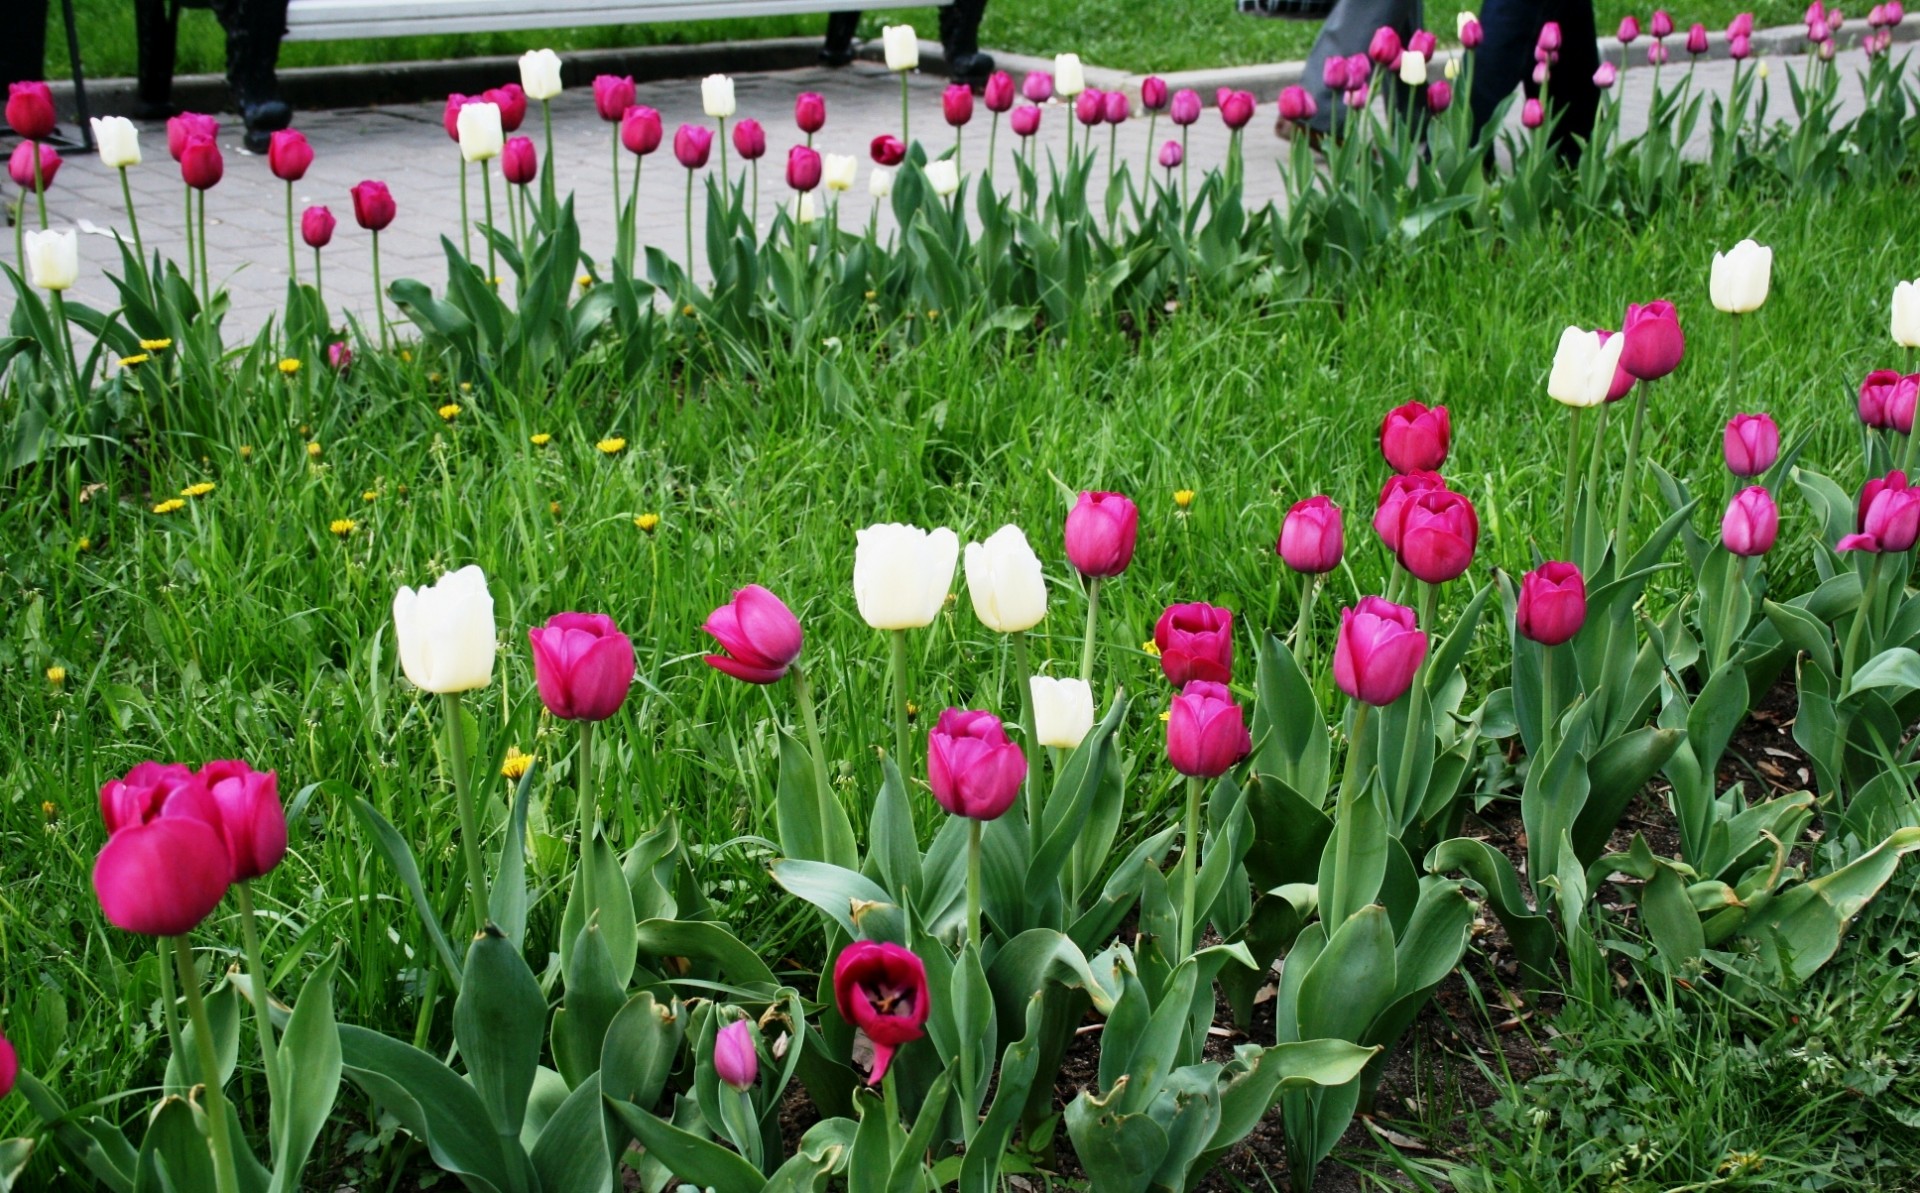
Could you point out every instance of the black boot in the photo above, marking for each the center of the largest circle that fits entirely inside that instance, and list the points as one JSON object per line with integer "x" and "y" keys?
{"x": 960, "y": 38}
{"x": 254, "y": 29}
{"x": 838, "y": 50}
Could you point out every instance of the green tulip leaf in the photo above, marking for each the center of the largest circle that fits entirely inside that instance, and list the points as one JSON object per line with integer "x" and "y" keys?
{"x": 498, "y": 1021}
{"x": 310, "y": 1059}
{"x": 435, "y": 1104}
{"x": 572, "y": 1153}
{"x": 701, "y": 1162}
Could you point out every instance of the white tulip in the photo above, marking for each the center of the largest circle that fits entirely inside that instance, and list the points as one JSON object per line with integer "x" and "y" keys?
{"x": 839, "y": 171}
{"x": 880, "y": 182}
{"x": 801, "y": 210}
{"x": 1413, "y": 69}
{"x": 446, "y": 632}
{"x": 716, "y": 96}
{"x": 1906, "y": 314}
{"x": 1740, "y": 278}
{"x": 902, "y": 45}
{"x": 1062, "y": 711}
{"x": 1069, "y": 77}
{"x": 479, "y": 127}
{"x": 943, "y": 176}
{"x": 540, "y": 74}
{"x": 1003, "y": 578}
{"x": 901, "y": 574}
{"x": 1461, "y": 20}
{"x": 53, "y": 259}
{"x": 1453, "y": 66}
{"x": 1583, "y": 367}
{"x": 117, "y": 140}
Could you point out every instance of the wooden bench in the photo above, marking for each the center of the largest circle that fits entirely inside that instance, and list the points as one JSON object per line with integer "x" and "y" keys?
{"x": 255, "y": 29}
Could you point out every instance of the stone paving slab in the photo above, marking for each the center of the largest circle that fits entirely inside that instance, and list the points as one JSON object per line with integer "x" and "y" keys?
{"x": 405, "y": 146}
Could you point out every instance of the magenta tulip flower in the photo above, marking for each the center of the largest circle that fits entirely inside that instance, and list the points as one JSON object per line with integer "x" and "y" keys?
{"x": 1423, "y": 43}
{"x": 1751, "y": 522}
{"x": 1195, "y": 642}
{"x": 1333, "y": 73}
{"x": 803, "y": 168}
{"x": 1739, "y": 47}
{"x": 956, "y": 104}
{"x": 613, "y": 95}
{"x": 1154, "y": 94}
{"x": 736, "y": 1058}
{"x": 1101, "y": 531}
{"x": 30, "y": 110}
{"x": 251, "y": 818}
{"x": 316, "y": 227}
{"x": 887, "y": 150}
{"x": 1655, "y": 344}
{"x": 1184, "y": 108}
{"x": 520, "y": 161}
{"x": 1606, "y": 75}
{"x": 1532, "y": 114}
{"x": 641, "y": 130}
{"x": 750, "y": 139}
{"x": 1629, "y": 30}
{"x": 9, "y": 1067}
{"x": 583, "y": 665}
{"x": 1237, "y": 109}
{"x": 692, "y": 143}
{"x": 1171, "y": 155}
{"x": 810, "y": 111}
{"x": 1090, "y": 107}
{"x": 1400, "y": 488}
{"x": 1439, "y": 96}
{"x": 973, "y": 769}
{"x": 1415, "y": 437}
{"x": 999, "y": 93}
{"x": 185, "y": 127}
{"x": 1115, "y": 107}
{"x": 1025, "y": 120}
{"x": 1888, "y": 516}
{"x": 760, "y": 635}
{"x": 1553, "y": 603}
{"x": 289, "y": 155}
{"x": 20, "y": 165}
{"x": 1697, "y": 39}
{"x": 340, "y": 356}
{"x": 1296, "y": 104}
{"x": 1741, "y": 26}
{"x": 1662, "y": 24}
{"x": 1384, "y": 50}
{"x": 152, "y": 790}
{"x": 1879, "y": 391}
{"x": 163, "y": 877}
{"x": 1037, "y": 87}
{"x": 1206, "y": 731}
{"x": 1438, "y": 532}
{"x": 450, "y": 114}
{"x": 373, "y": 205}
{"x": 1312, "y": 538}
{"x": 512, "y": 102}
{"x": 1378, "y": 652}
{"x": 201, "y": 166}
{"x": 1751, "y": 444}
{"x": 881, "y": 989}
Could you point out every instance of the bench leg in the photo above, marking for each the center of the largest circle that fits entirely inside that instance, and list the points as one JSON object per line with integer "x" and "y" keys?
{"x": 838, "y": 50}
{"x": 254, "y": 29}
{"x": 156, "y": 27}
{"x": 960, "y": 37}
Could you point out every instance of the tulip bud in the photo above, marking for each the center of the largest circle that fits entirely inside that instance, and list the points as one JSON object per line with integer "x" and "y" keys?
{"x": 373, "y": 205}
{"x": 582, "y": 663}
{"x": 1311, "y": 536}
{"x": 1399, "y": 489}
{"x": 901, "y": 574}
{"x": 943, "y": 176}
{"x": 1413, "y": 69}
{"x": 1697, "y": 40}
{"x": 1657, "y": 54}
{"x": 1751, "y": 444}
{"x": 1439, "y": 95}
{"x": 445, "y": 632}
{"x": 289, "y": 155}
{"x": 251, "y": 818}
{"x": 1003, "y": 578}
{"x": 1090, "y": 107}
{"x": 53, "y": 259}
{"x": 163, "y": 877}
{"x": 540, "y": 74}
{"x": 736, "y": 1058}
{"x": 1540, "y": 80}
{"x": 1062, "y": 711}
{"x": 1584, "y": 367}
{"x": 1025, "y": 120}
{"x": 1115, "y": 107}
{"x": 999, "y": 92}
{"x": 1171, "y": 155}
{"x": 1333, "y": 75}
{"x": 1629, "y": 30}
{"x": 1195, "y": 642}
{"x": 1741, "y": 26}
{"x": 881, "y": 989}
{"x": 1069, "y": 77}
{"x": 1462, "y": 19}
{"x": 973, "y": 769}
{"x": 803, "y": 168}
{"x": 1101, "y": 531}
{"x": 1296, "y": 104}
{"x": 1654, "y": 343}
{"x": 481, "y": 137}
{"x": 1750, "y": 523}
{"x": 1877, "y": 392}
{"x": 1378, "y": 651}
{"x": 1471, "y": 34}
{"x": 716, "y": 96}
{"x": 1662, "y": 24}
{"x": 888, "y": 150}
{"x": 1553, "y": 604}
{"x": 880, "y": 182}
{"x": 613, "y": 95}
{"x": 1423, "y": 43}
{"x": 641, "y": 131}
{"x": 9, "y": 1067}
{"x": 20, "y": 165}
{"x": 511, "y": 99}
{"x": 760, "y": 634}
{"x": 316, "y": 227}
{"x": 956, "y": 104}
{"x": 1605, "y": 75}
{"x": 1037, "y": 87}
{"x": 30, "y": 110}
{"x": 1414, "y": 438}
{"x": 117, "y": 140}
{"x": 691, "y": 145}
{"x": 1532, "y": 114}
{"x": 1206, "y": 731}
{"x": 1384, "y": 49}
{"x": 1184, "y": 108}
{"x": 185, "y": 127}
{"x": 1237, "y": 109}
{"x": 902, "y": 46}
{"x": 1438, "y": 532}
{"x": 1453, "y": 67}
{"x": 810, "y": 111}
{"x": 340, "y": 356}
{"x": 201, "y": 166}
{"x": 1888, "y": 514}
{"x": 1906, "y": 314}
{"x": 839, "y": 171}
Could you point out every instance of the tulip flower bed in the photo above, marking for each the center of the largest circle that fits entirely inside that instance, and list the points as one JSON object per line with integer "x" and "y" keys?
{"x": 685, "y": 747}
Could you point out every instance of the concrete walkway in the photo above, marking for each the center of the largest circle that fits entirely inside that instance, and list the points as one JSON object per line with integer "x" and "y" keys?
{"x": 405, "y": 146}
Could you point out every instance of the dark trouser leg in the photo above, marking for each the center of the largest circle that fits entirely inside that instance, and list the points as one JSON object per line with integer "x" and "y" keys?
{"x": 841, "y": 27}
{"x": 1348, "y": 30}
{"x": 1505, "y": 61}
{"x": 254, "y": 29}
{"x": 23, "y": 50}
{"x": 960, "y": 38}
{"x": 1570, "y": 87}
{"x": 155, "y": 26}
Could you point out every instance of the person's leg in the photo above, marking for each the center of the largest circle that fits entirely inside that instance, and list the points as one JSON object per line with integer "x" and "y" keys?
{"x": 960, "y": 40}
{"x": 841, "y": 26}
{"x": 1347, "y": 31}
{"x": 1510, "y": 29}
{"x": 23, "y": 51}
{"x": 1570, "y": 87}
{"x": 254, "y": 29}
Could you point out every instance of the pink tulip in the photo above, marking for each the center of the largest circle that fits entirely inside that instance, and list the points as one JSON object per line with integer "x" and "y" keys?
{"x": 1037, "y": 87}
{"x": 1423, "y": 43}
{"x": 1115, "y": 109}
{"x": 582, "y": 664}
{"x": 973, "y": 769}
{"x": 9, "y": 1067}
{"x": 1741, "y": 26}
{"x": 1655, "y": 345}
{"x": 1622, "y": 380}
{"x": 316, "y": 227}
{"x": 1438, "y": 532}
{"x": 289, "y": 155}
{"x": 810, "y": 111}
{"x": 20, "y": 165}
{"x": 1697, "y": 40}
{"x": 760, "y": 634}
{"x": 1439, "y": 96}
{"x": 956, "y": 104}
{"x": 1356, "y": 100}
{"x": 1384, "y": 49}
{"x": 520, "y": 162}
{"x": 1400, "y": 488}
{"x": 1333, "y": 73}
{"x": 1739, "y": 47}
{"x": 641, "y": 130}
{"x": 1101, "y": 531}
{"x": 1877, "y": 394}
{"x": 1311, "y": 536}
{"x": 1553, "y": 603}
{"x": 1549, "y": 39}
{"x": 736, "y": 1058}
{"x": 185, "y": 127}
{"x": 201, "y": 166}
{"x": 1750, "y": 523}
{"x": 1888, "y": 516}
{"x": 691, "y": 145}
{"x": 1206, "y": 731}
{"x": 152, "y": 790}
{"x": 1532, "y": 114}
{"x": 803, "y": 168}
{"x": 1471, "y": 35}
{"x": 1090, "y": 107}
{"x": 999, "y": 93}
{"x": 888, "y": 150}
{"x": 1415, "y": 438}
{"x": 1605, "y": 76}
{"x": 1657, "y": 53}
{"x": 373, "y": 205}
{"x": 1378, "y": 652}
{"x": 1662, "y": 24}
{"x": 1296, "y": 104}
{"x": 1900, "y": 408}
{"x": 750, "y": 139}
{"x": 511, "y": 101}
{"x": 450, "y": 115}
{"x": 1629, "y": 30}
{"x": 613, "y": 95}
{"x": 1195, "y": 642}
{"x": 340, "y": 356}
{"x": 1237, "y": 109}
{"x": 30, "y": 110}
{"x": 1751, "y": 444}
{"x": 163, "y": 877}
{"x": 1171, "y": 155}
{"x": 1025, "y": 120}
{"x": 1539, "y": 80}
{"x": 251, "y": 818}
{"x": 1184, "y": 108}
{"x": 881, "y": 989}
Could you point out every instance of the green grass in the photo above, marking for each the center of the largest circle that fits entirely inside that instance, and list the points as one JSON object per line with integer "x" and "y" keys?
{"x": 1190, "y": 35}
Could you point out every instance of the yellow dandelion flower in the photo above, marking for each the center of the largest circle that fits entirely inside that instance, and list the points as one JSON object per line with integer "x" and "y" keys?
{"x": 542, "y": 439}
{"x": 290, "y": 365}
{"x": 872, "y": 294}
{"x": 402, "y": 490}
{"x": 687, "y": 310}
{"x": 313, "y": 450}
{"x": 1166, "y": 714}
{"x": 342, "y": 527}
{"x": 1151, "y": 647}
{"x": 466, "y": 387}
{"x": 647, "y": 522}
{"x": 1183, "y": 497}
{"x": 85, "y": 544}
{"x": 56, "y": 675}
{"x": 370, "y": 495}
{"x": 138, "y": 358}
{"x": 515, "y": 763}
{"x": 197, "y": 489}
{"x": 406, "y": 357}
{"x": 933, "y": 314}
{"x": 913, "y": 710}
{"x": 586, "y": 279}
{"x": 47, "y": 809}
{"x": 434, "y": 377}
{"x": 155, "y": 345}
{"x": 612, "y": 447}
{"x": 246, "y": 451}
{"x": 553, "y": 507}
{"x": 450, "y": 411}
{"x": 169, "y": 505}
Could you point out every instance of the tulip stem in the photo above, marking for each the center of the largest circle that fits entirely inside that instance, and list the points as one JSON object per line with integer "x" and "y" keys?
{"x": 319, "y": 286}
{"x": 589, "y": 803}
{"x": 293, "y": 261}
{"x": 1303, "y": 626}
{"x": 225, "y": 1178}
{"x": 905, "y": 139}
{"x": 169, "y": 998}
{"x": 379, "y": 301}
{"x": 1549, "y": 711}
{"x": 262, "y": 1010}
{"x": 206, "y": 274}
{"x": 73, "y": 361}
{"x": 616, "y": 173}
{"x": 973, "y": 883}
{"x": 1623, "y": 517}
{"x": 139, "y": 247}
{"x": 1189, "y": 872}
{"x": 486, "y": 197}
{"x": 633, "y": 213}
{"x": 993, "y": 140}
{"x": 192, "y": 260}
{"x": 1733, "y": 360}
{"x": 39, "y": 186}
{"x": 1860, "y": 618}
{"x": 466, "y": 218}
{"x": 689, "y": 231}
{"x": 548, "y": 193}
{"x": 726, "y": 173}
{"x": 1024, "y": 668}
{"x": 823, "y": 793}
{"x": 1093, "y": 612}
{"x": 900, "y": 701}
{"x": 463, "y": 800}
{"x": 1591, "y": 506}
{"x": 1343, "y": 823}
{"x": 1570, "y": 492}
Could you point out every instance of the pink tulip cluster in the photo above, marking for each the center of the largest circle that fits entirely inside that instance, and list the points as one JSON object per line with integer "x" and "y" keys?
{"x": 177, "y": 838}
{"x": 30, "y": 115}
{"x": 1887, "y": 400}
{"x": 1887, "y": 519}
{"x": 1881, "y": 20}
